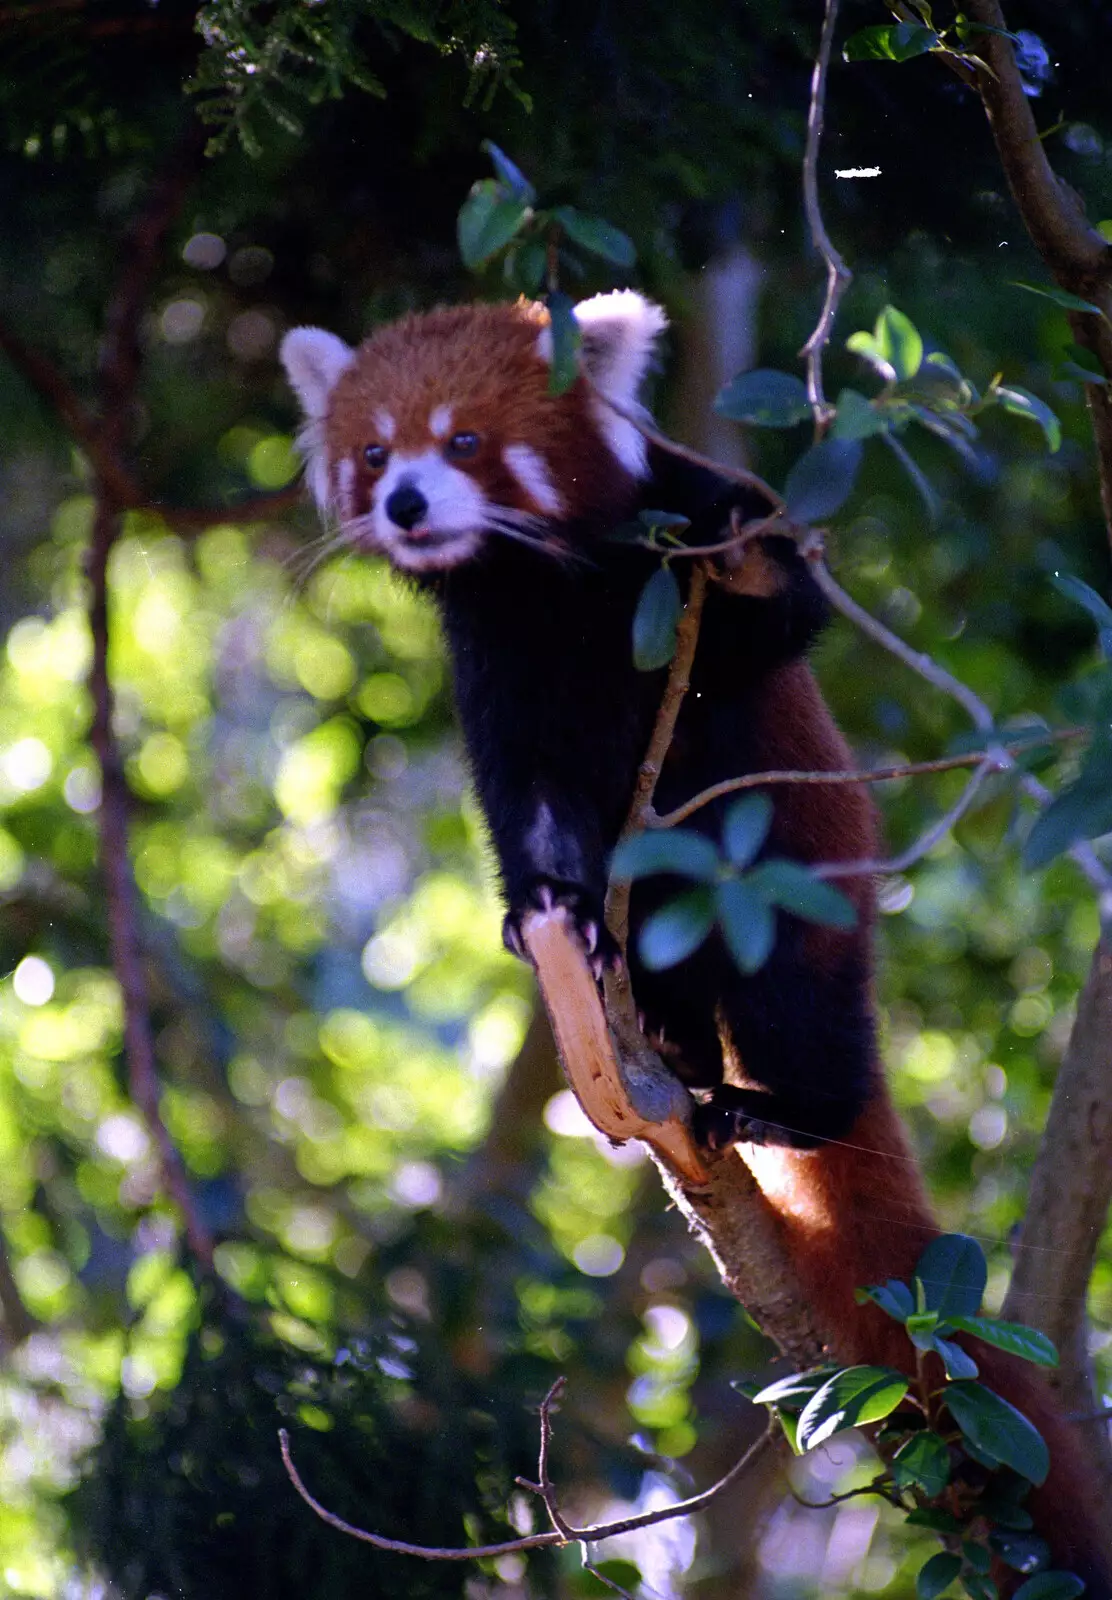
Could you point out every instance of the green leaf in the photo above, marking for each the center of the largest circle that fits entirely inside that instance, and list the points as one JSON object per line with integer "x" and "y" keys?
{"x": 978, "y": 1588}
{"x": 893, "y": 1297}
{"x": 958, "y": 1362}
{"x": 1022, "y": 403}
{"x": 768, "y": 398}
{"x": 922, "y": 483}
{"x": 678, "y": 850}
{"x": 1060, "y": 297}
{"x": 1023, "y": 1552}
{"x": 889, "y": 41}
{"x": 794, "y": 888}
{"x": 850, "y": 1398}
{"x": 822, "y": 480}
{"x": 1075, "y": 589}
{"x": 746, "y": 827}
{"x": 1082, "y": 811}
{"x": 977, "y": 1556}
{"x": 1027, "y": 1343}
{"x": 857, "y": 417}
{"x": 512, "y": 176}
{"x": 795, "y": 1390}
{"x": 654, "y": 622}
{"x": 1105, "y": 229}
{"x": 1084, "y": 358}
{"x": 487, "y": 222}
{"x": 922, "y": 1463}
{"x": 525, "y": 267}
{"x": 998, "y": 1430}
{"x": 565, "y": 342}
{"x": 597, "y": 237}
{"x": 937, "y": 1576}
{"x": 931, "y": 1517}
{"x": 664, "y": 521}
{"x": 673, "y": 932}
{"x": 747, "y": 923}
{"x": 898, "y": 342}
{"x": 1050, "y": 1586}
{"x": 953, "y": 1274}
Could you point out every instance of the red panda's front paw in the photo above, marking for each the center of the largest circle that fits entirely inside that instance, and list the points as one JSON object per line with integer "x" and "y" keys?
{"x": 581, "y": 909}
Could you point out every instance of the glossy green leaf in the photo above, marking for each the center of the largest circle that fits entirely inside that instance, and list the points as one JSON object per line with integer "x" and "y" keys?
{"x": 889, "y": 41}
{"x": 1023, "y": 1552}
{"x": 654, "y": 622}
{"x": 893, "y": 1297}
{"x": 1050, "y": 1586}
{"x": 677, "y": 929}
{"x": 851, "y": 1398}
{"x": 597, "y": 237}
{"x": 794, "y": 888}
{"x": 953, "y": 1274}
{"x": 958, "y": 1362}
{"x": 765, "y": 397}
{"x": 858, "y": 418}
{"x": 898, "y": 342}
{"x": 822, "y": 480}
{"x": 746, "y": 826}
{"x": 565, "y": 342}
{"x": 1000, "y": 1432}
{"x": 1014, "y": 1337}
{"x": 1082, "y": 811}
{"x": 747, "y": 923}
{"x": 487, "y": 222}
{"x": 510, "y": 174}
{"x": 937, "y": 1575}
{"x": 679, "y": 850}
{"x": 1060, "y": 297}
{"x": 978, "y": 1587}
{"x": 923, "y": 1462}
{"x": 1022, "y": 403}
{"x": 795, "y": 1390}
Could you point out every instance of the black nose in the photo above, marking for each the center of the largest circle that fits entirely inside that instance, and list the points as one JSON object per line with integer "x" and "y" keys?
{"x": 406, "y": 506}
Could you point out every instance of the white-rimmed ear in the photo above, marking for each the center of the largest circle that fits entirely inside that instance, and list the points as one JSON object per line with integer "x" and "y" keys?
{"x": 314, "y": 359}
{"x": 619, "y": 334}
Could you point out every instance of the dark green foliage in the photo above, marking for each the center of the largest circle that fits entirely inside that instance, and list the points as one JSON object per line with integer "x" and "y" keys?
{"x": 189, "y": 1495}
{"x": 654, "y": 622}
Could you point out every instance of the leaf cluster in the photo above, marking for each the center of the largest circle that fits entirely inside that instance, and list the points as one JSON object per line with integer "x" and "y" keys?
{"x": 937, "y": 1423}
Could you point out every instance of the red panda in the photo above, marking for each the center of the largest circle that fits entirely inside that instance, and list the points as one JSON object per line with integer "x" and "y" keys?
{"x": 439, "y": 444}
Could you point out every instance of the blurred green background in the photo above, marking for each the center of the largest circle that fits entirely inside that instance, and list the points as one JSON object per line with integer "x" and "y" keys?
{"x": 416, "y": 1229}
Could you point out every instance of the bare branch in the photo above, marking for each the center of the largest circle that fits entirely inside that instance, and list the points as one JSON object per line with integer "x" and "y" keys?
{"x": 909, "y": 769}
{"x": 926, "y": 840}
{"x": 532, "y": 1541}
{"x": 838, "y": 275}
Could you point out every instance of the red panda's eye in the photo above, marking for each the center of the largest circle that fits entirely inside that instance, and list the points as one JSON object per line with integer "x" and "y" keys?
{"x": 462, "y": 445}
{"x": 375, "y": 455}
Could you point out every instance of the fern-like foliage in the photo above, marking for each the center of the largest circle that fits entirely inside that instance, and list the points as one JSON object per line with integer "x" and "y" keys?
{"x": 266, "y": 60}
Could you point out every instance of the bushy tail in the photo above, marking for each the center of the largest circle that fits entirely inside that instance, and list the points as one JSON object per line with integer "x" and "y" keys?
{"x": 855, "y": 1212}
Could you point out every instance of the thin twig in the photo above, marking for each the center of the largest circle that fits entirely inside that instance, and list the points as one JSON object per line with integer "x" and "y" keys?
{"x": 679, "y": 681}
{"x": 926, "y": 840}
{"x": 638, "y": 419}
{"x": 838, "y": 275}
{"x": 909, "y": 769}
{"x": 530, "y": 1541}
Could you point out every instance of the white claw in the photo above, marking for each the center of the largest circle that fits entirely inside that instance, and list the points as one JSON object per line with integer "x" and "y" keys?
{"x": 544, "y": 894}
{"x": 590, "y": 936}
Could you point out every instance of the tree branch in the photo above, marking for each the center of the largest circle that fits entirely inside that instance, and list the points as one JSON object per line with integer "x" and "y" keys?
{"x": 563, "y": 1534}
{"x": 838, "y": 275}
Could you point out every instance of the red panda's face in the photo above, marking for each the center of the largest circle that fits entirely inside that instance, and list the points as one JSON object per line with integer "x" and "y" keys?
{"x": 439, "y": 432}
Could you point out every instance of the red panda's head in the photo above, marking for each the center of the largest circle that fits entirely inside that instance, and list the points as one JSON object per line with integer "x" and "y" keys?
{"x": 439, "y": 430}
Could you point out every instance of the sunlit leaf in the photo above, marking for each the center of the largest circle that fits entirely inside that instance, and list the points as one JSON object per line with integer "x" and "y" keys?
{"x": 795, "y": 1390}
{"x": 889, "y": 41}
{"x": 1014, "y": 1337}
{"x": 849, "y": 1399}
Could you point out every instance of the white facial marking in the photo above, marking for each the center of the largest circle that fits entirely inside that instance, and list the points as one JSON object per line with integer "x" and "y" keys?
{"x": 314, "y": 360}
{"x": 450, "y": 529}
{"x": 440, "y": 421}
{"x": 345, "y": 486}
{"x": 531, "y": 471}
{"x": 385, "y": 426}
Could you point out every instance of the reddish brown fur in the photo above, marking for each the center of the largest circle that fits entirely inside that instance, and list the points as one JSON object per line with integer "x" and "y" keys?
{"x": 481, "y": 360}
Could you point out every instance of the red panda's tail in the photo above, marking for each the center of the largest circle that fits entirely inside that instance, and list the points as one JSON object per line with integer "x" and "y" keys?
{"x": 855, "y": 1213}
